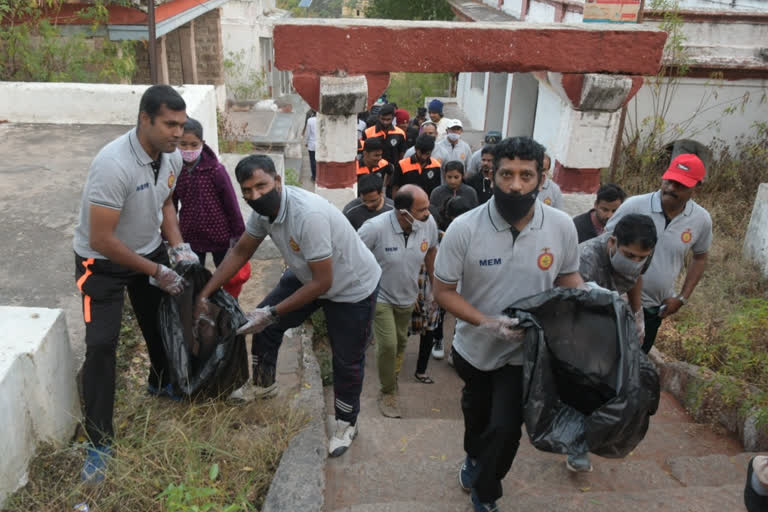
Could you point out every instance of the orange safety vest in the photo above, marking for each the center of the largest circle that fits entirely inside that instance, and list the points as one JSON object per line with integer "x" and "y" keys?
{"x": 361, "y": 169}
{"x": 407, "y": 166}
{"x": 371, "y": 133}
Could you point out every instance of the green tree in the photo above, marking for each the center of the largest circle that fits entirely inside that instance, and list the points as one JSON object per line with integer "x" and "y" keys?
{"x": 33, "y": 48}
{"x": 410, "y": 10}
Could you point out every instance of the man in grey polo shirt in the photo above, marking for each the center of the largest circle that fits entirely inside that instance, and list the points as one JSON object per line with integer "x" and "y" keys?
{"x": 125, "y": 211}
{"x": 329, "y": 267}
{"x": 682, "y": 226}
{"x": 550, "y": 194}
{"x": 401, "y": 240}
{"x": 509, "y": 248}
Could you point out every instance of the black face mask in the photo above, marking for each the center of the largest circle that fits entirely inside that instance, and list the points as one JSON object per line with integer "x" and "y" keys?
{"x": 267, "y": 205}
{"x": 513, "y": 207}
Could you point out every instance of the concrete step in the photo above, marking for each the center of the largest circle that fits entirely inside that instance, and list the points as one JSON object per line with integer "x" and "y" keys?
{"x": 691, "y": 499}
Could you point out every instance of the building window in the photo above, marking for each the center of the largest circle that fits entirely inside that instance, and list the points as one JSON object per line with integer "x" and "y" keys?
{"x": 477, "y": 81}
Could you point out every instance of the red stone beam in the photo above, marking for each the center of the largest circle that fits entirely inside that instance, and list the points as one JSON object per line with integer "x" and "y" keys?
{"x": 382, "y": 46}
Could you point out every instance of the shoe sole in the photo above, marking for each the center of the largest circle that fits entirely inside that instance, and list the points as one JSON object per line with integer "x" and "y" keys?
{"x": 341, "y": 450}
{"x": 577, "y": 470}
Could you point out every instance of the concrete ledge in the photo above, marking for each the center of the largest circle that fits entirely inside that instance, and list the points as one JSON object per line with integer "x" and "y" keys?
{"x": 756, "y": 240}
{"x": 38, "y": 394}
{"x": 299, "y": 482}
{"x": 76, "y": 103}
{"x": 709, "y": 398}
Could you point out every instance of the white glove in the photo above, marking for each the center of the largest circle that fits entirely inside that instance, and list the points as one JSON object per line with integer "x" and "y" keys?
{"x": 167, "y": 280}
{"x": 183, "y": 252}
{"x": 504, "y": 327}
{"x": 640, "y": 324}
{"x": 257, "y": 320}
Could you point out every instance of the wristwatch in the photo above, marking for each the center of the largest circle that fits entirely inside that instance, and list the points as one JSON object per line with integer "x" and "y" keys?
{"x": 273, "y": 313}
{"x": 682, "y": 299}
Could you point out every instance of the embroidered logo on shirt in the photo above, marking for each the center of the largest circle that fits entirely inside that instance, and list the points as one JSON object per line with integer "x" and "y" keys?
{"x": 143, "y": 186}
{"x": 548, "y": 201}
{"x": 390, "y": 249}
{"x": 171, "y": 179}
{"x": 546, "y": 259}
{"x": 393, "y": 142}
{"x": 424, "y": 246}
{"x": 294, "y": 245}
{"x": 686, "y": 236}
{"x": 490, "y": 262}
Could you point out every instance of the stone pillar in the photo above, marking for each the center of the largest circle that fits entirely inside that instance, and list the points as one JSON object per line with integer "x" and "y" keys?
{"x": 341, "y": 98}
{"x": 161, "y": 51}
{"x": 588, "y": 127}
{"x": 188, "y": 53}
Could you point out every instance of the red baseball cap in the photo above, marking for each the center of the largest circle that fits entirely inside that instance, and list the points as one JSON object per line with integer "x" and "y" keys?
{"x": 686, "y": 169}
{"x": 402, "y": 116}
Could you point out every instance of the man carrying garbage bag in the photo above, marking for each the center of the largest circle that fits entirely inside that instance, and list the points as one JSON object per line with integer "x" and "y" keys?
{"x": 328, "y": 267}
{"x": 504, "y": 250}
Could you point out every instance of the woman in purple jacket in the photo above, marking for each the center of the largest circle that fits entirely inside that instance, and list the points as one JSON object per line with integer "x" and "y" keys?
{"x": 209, "y": 218}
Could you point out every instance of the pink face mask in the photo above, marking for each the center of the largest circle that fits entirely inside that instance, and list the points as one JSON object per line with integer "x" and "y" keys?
{"x": 190, "y": 155}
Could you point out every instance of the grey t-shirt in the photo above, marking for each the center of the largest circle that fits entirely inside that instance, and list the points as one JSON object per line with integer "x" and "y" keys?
{"x": 121, "y": 178}
{"x": 493, "y": 270}
{"x": 308, "y": 228}
{"x": 689, "y": 231}
{"x": 551, "y": 195}
{"x": 400, "y": 260}
{"x": 357, "y": 213}
{"x": 461, "y": 152}
{"x": 595, "y": 265}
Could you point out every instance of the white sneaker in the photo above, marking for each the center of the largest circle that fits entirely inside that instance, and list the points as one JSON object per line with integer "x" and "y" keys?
{"x": 242, "y": 394}
{"x": 265, "y": 392}
{"x": 342, "y": 438}
{"x": 437, "y": 350}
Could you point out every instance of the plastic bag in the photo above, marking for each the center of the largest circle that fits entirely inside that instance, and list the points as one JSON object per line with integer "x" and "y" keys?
{"x": 587, "y": 384}
{"x": 213, "y": 361}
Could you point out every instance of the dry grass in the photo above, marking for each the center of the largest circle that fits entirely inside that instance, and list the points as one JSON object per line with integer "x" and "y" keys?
{"x": 211, "y": 455}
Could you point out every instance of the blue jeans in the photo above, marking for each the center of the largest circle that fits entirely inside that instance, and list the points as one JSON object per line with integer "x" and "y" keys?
{"x": 349, "y": 329}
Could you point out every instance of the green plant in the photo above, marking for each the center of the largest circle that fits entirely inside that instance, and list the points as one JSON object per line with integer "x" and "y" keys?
{"x": 410, "y": 10}
{"x": 321, "y": 346}
{"x": 408, "y": 90}
{"x": 243, "y": 81}
{"x": 190, "y": 498}
{"x": 317, "y": 9}
{"x": 292, "y": 177}
{"x": 33, "y": 47}
{"x": 233, "y": 137}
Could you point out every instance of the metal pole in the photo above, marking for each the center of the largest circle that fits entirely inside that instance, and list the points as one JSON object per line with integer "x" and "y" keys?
{"x": 152, "y": 48}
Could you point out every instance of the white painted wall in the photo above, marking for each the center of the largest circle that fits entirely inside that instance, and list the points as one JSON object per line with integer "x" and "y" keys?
{"x": 540, "y": 13}
{"x": 472, "y": 101}
{"x": 511, "y": 7}
{"x": 75, "y": 103}
{"x": 712, "y": 121}
{"x": 550, "y": 109}
{"x": 573, "y": 17}
{"x": 723, "y": 5}
{"x": 521, "y": 111}
{"x": 38, "y": 392}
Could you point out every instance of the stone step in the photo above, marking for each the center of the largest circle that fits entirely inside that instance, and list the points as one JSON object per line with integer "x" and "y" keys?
{"x": 423, "y": 465}
{"x": 693, "y": 499}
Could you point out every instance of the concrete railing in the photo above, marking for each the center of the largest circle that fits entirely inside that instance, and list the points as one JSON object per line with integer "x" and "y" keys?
{"x": 75, "y": 103}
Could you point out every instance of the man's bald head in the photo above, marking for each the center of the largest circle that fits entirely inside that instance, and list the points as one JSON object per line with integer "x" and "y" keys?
{"x": 414, "y": 200}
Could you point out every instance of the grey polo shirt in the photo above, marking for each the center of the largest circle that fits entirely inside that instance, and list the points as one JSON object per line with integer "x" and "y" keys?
{"x": 493, "y": 270}
{"x": 121, "y": 178}
{"x": 400, "y": 260}
{"x": 461, "y": 152}
{"x": 689, "y": 231}
{"x": 308, "y": 228}
{"x": 550, "y": 194}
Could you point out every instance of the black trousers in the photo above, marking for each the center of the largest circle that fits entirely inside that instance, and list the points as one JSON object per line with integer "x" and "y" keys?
{"x": 102, "y": 285}
{"x": 349, "y": 329}
{"x": 492, "y": 403}
{"x": 652, "y": 324}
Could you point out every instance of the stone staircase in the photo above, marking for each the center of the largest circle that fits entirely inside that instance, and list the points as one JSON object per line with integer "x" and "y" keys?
{"x": 411, "y": 464}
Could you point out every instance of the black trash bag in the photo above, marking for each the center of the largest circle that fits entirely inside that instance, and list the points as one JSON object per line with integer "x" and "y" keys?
{"x": 587, "y": 385}
{"x": 215, "y": 362}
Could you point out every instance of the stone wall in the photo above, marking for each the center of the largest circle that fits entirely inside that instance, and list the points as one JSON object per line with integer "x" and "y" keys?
{"x": 208, "y": 47}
